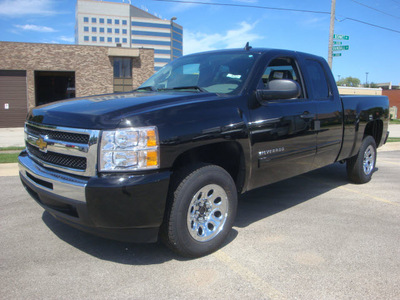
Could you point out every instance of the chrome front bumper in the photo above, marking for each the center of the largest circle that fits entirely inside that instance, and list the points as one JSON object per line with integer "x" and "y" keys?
{"x": 58, "y": 183}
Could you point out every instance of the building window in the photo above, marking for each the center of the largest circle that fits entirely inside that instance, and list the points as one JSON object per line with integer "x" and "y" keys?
{"x": 94, "y": 29}
{"x": 101, "y": 29}
{"x": 124, "y": 40}
{"x": 86, "y": 29}
{"x": 117, "y": 40}
{"x": 109, "y": 40}
{"x": 124, "y": 31}
{"x": 122, "y": 74}
{"x": 101, "y": 20}
{"x": 102, "y": 39}
{"x": 86, "y": 19}
{"x": 109, "y": 30}
{"x": 117, "y": 30}
{"x": 94, "y": 39}
{"x": 86, "y": 38}
{"x": 116, "y": 22}
{"x": 109, "y": 21}
{"x": 124, "y": 22}
{"x": 94, "y": 20}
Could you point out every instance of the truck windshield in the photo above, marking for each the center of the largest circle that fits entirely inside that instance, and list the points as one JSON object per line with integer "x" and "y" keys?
{"x": 221, "y": 73}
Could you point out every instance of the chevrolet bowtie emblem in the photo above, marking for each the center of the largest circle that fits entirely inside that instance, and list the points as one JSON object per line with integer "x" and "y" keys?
{"x": 41, "y": 144}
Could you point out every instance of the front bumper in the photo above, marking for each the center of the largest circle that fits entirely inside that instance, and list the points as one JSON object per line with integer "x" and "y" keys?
{"x": 119, "y": 206}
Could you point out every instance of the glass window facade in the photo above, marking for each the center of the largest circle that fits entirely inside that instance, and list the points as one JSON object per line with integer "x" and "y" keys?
{"x": 109, "y": 21}
{"x": 117, "y": 40}
{"x": 149, "y": 33}
{"x": 94, "y": 20}
{"x": 124, "y": 22}
{"x": 101, "y": 20}
{"x": 116, "y": 22}
{"x": 94, "y": 39}
{"x": 109, "y": 30}
{"x": 124, "y": 31}
{"x": 101, "y": 29}
{"x": 102, "y": 39}
{"x": 85, "y": 19}
{"x": 86, "y": 38}
{"x": 86, "y": 29}
{"x": 122, "y": 74}
{"x": 147, "y": 24}
{"x": 109, "y": 39}
{"x": 94, "y": 29}
{"x": 124, "y": 40}
{"x": 147, "y": 42}
{"x": 117, "y": 30}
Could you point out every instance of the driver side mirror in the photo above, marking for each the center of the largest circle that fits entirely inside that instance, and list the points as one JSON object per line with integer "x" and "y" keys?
{"x": 279, "y": 89}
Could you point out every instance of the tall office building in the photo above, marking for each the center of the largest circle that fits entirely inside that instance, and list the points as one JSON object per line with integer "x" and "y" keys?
{"x": 120, "y": 24}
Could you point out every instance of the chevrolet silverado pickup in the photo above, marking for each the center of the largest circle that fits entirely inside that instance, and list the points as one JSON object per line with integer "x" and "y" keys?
{"x": 169, "y": 159}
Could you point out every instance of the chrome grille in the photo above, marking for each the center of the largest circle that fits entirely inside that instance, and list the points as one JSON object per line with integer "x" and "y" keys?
{"x": 63, "y": 160}
{"x": 69, "y": 150}
{"x": 58, "y": 135}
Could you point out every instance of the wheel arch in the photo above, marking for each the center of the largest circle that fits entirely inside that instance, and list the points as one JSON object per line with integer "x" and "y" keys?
{"x": 227, "y": 155}
{"x": 374, "y": 129}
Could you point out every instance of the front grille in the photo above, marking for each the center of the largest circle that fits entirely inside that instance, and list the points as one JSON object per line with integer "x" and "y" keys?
{"x": 69, "y": 150}
{"x": 58, "y": 135}
{"x": 63, "y": 160}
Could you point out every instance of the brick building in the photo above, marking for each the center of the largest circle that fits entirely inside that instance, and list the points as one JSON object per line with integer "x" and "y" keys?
{"x": 35, "y": 74}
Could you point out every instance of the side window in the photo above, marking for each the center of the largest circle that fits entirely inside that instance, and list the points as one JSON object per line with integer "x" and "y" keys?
{"x": 281, "y": 68}
{"x": 318, "y": 79}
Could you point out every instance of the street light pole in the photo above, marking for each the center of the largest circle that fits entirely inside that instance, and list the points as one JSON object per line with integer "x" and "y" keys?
{"x": 172, "y": 27}
{"x": 366, "y": 79}
{"x": 331, "y": 32}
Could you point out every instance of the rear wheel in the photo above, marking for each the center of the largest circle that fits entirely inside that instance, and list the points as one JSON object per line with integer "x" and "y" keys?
{"x": 202, "y": 210}
{"x": 361, "y": 166}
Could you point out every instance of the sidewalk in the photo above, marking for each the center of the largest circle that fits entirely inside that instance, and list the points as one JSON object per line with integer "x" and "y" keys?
{"x": 12, "y": 137}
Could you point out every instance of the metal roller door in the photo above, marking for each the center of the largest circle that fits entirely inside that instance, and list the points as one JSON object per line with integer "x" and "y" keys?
{"x": 13, "y": 100}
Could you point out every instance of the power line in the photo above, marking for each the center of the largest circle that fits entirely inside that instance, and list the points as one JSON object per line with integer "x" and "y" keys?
{"x": 246, "y": 5}
{"x": 373, "y": 8}
{"x": 370, "y": 24}
{"x": 276, "y": 8}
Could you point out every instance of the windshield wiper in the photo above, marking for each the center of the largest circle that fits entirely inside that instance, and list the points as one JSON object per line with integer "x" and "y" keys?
{"x": 146, "y": 88}
{"x": 192, "y": 87}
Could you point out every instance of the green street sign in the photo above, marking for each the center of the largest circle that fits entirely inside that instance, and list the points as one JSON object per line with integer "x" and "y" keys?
{"x": 337, "y": 43}
{"x": 338, "y": 48}
{"x": 336, "y": 54}
{"x": 341, "y": 37}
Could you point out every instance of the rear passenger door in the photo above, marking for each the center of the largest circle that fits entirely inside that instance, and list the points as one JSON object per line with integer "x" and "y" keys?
{"x": 329, "y": 127}
{"x": 281, "y": 131}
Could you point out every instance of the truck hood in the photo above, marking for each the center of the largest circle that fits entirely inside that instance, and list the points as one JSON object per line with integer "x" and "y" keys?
{"x": 110, "y": 111}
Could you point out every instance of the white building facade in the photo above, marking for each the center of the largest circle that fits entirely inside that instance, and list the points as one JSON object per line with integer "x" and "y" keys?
{"x": 113, "y": 24}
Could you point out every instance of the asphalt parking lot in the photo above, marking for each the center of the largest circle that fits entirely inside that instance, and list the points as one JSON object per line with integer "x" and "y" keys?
{"x": 315, "y": 236}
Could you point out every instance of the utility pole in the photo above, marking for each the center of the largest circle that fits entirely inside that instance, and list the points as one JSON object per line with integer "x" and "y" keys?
{"x": 366, "y": 79}
{"x": 331, "y": 32}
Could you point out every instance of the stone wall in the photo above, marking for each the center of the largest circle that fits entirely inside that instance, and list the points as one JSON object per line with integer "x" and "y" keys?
{"x": 92, "y": 66}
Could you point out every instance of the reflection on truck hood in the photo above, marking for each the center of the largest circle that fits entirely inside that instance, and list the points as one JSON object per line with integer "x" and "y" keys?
{"x": 107, "y": 111}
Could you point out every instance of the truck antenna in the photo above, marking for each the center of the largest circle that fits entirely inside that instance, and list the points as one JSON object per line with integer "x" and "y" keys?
{"x": 247, "y": 47}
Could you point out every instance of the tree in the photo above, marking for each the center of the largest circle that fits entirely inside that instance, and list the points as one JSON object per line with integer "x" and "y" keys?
{"x": 349, "y": 81}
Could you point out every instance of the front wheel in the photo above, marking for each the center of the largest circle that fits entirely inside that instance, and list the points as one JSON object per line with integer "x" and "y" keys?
{"x": 361, "y": 166}
{"x": 201, "y": 212}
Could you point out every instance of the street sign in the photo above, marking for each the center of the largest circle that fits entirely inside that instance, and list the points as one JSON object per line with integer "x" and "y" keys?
{"x": 337, "y": 43}
{"x": 338, "y": 48}
{"x": 341, "y": 37}
{"x": 336, "y": 54}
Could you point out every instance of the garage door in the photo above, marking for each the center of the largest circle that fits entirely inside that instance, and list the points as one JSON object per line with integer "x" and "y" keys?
{"x": 13, "y": 100}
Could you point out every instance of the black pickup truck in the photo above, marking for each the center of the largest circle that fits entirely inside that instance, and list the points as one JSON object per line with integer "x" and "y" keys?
{"x": 170, "y": 158}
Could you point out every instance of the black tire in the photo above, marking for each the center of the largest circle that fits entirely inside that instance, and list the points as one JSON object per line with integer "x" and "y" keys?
{"x": 360, "y": 167}
{"x": 201, "y": 212}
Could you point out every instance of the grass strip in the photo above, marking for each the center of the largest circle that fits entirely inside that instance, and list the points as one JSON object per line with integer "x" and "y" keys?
{"x": 393, "y": 140}
{"x": 11, "y": 148}
{"x": 8, "y": 158}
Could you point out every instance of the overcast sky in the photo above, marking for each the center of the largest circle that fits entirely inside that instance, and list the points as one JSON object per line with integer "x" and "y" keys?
{"x": 206, "y": 27}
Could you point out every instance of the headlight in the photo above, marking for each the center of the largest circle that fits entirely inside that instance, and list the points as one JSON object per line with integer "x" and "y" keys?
{"x": 129, "y": 149}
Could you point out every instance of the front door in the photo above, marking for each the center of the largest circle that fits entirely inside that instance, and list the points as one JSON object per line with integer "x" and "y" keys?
{"x": 281, "y": 131}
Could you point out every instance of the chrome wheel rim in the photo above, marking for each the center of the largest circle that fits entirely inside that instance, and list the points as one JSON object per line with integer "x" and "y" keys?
{"x": 369, "y": 160}
{"x": 207, "y": 213}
